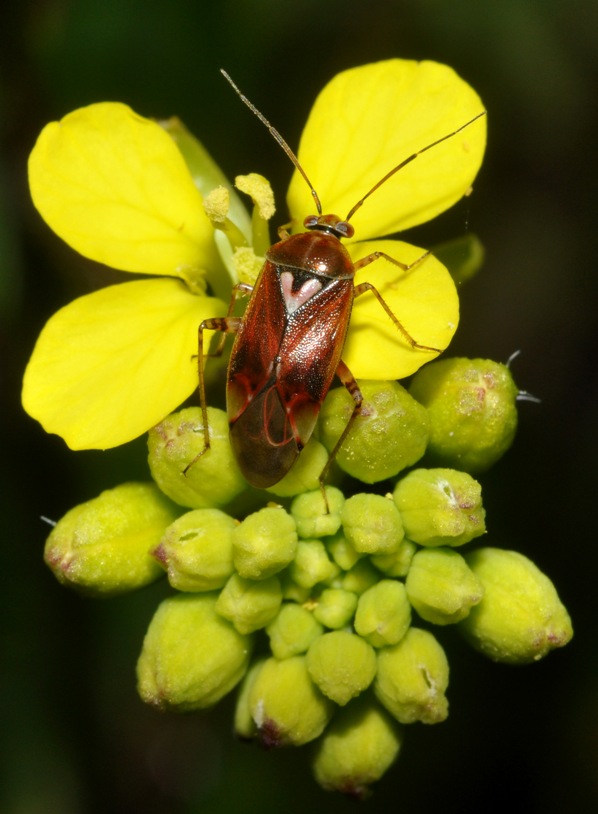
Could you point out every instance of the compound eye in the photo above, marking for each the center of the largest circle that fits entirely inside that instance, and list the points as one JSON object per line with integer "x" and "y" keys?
{"x": 344, "y": 228}
{"x": 310, "y": 221}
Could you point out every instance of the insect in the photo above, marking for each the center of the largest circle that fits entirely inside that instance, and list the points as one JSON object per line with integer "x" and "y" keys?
{"x": 289, "y": 342}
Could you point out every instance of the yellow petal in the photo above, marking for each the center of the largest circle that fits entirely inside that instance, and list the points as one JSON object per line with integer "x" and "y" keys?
{"x": 115, "y": 187}
{"x": 112, "y": 364}
{"x": 369, "y": 119}
{"x": 423, "y": 299}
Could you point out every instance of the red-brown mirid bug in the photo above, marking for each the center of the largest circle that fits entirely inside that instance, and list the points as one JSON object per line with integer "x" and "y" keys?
{"x": 289, "y": 342}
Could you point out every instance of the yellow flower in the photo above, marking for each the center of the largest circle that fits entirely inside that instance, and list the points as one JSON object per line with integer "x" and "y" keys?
{"x": 120, "y": 190}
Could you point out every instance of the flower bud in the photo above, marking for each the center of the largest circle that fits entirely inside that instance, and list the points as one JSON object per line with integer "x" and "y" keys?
{"x": 214, "y": 479}
{"x": 440, "y": 507}
{"x": 313, "y": 517}
{"x": 383, "y": 613}
{"x": 341, "y": 664}
{"x": 359, "y": 578}
{"x": 398, "y": 563}
{"x": 292, "y": 631}
{"x": 286, "y": 706}
{"x": 412, "y": 678}
{"x": 358, "y": 747}
{"x": 249, "y": 605}
{"x": 372, "y": 524}
{"x": 304, "y": 475}
{"x": 264, "y": 543}
{"x": 335, "y": 607}
{"x": 441, "y": 586}
{"x": 472, "y": 408}
{"x": 197, "y": 550}
{"x": 290, "y": 590}
{"x": 312, "y": 564}
{"x": 342, "y": 551}
{"x": 244, "y": 726}
{"x": 191, "y": 657}
{"x": 521, "y": 618}
{"x": 390, "y": 434}
{"x": 102, "y": 546}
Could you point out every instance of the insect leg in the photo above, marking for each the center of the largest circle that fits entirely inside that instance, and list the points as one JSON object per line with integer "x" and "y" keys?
{"x": 348, "y": 380}
{"x": 363, "y": 287}
{"x": 227, "y": 325}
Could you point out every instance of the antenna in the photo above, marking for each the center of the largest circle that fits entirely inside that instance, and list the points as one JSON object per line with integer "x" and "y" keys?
{"x": 274, "y": 132}
{"x": 408, "y": 161}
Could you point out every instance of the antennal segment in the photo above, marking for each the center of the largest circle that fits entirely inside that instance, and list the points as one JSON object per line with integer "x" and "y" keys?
{"x": 274, "y": 132}
{"x": 408, "y": 161}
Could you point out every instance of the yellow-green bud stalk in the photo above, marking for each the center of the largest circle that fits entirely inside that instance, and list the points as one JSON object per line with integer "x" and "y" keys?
{"x": 197, "y": 550}
{"x": 383, "y": 613}
{"x": 358, "y": 747}
{"x": 398, "y": 563}
{"x": 191, "y": 656}
{"x": 214, "y": 479}
{"x": 341, "y": 664}
{"x": 521, "y": 618}
{"x": 336, "y": 607}
{"x": 292, "y": 631}
{"x": 286, "y": 706}
{"x": 312, "y": 564}
{"x": 412, "y": 678}
{"x": 440, "y": 507}
{"x": 248, "y": 604}
{"x": 313, "y": 517}
{"x": 264, "y": 543}
{"x": 441, "y": 586}
{"x": 472, "y": 408}
{"x": 102, "y": 546}
{"x": 372, "y": 524}
{"x": 390, "y": 434}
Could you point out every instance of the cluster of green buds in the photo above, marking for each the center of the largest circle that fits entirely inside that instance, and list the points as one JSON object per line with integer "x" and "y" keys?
{"x": 320, "y": 605}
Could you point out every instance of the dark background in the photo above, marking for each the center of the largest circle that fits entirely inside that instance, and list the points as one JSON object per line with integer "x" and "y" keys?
{"x": 74, "y": 737}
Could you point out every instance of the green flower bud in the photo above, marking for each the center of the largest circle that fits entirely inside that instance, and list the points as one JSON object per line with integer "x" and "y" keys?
{"x": 336, "y": 607}
{"x": 249, "y": 605}
{"x": 197, "y": 550}
{"x": 286, "y": 706}
{"x": 472, "y": 409}
{"x": 244, "y": 726}
{"x": 264, "y": 543}
{"x": 383, "y": 613}
{"x": 341, "y": 664}
{"x": 102, "y": 546}
{"x": 359, "y": 578}
{"x": 358, "y": 747}
{"x": 292, "y": 631}
{"x": 372, "y": 524}
{"x": 304, "y": 475}
{"x": 521, "y": 618}
{"x": 440, "y": 507}
{"x": 312, "y": 564}
{"x": 412, "y": 678}
{"x": 191, "y": 657}
{"x": 398, "y": 563}
{"x": 311, "y": 515}
{"x": 441, "y": 586}
{"x": 214, "y": 479}
{"x": 290, "y": 590}
{"x": 342, "y": 552}
{"x": 390, "y": 434}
